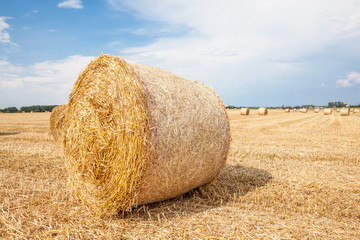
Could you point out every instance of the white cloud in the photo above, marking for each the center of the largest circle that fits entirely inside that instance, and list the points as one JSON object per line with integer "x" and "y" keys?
{"x": 352, "y": 79}
{"x": 237, "y": 32}
{"x": 71, "y": 4}
{"x": 10, "y": 75}
{"x": 53, "y": 79}
{"x": 4, "y": 34}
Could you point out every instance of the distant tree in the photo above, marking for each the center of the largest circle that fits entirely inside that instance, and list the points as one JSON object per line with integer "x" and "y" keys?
{"x": 230, "y": 107}
{"x": 337, "y": 104}
{"x": 37, "y": 108}
{"x": 10, "y": 110}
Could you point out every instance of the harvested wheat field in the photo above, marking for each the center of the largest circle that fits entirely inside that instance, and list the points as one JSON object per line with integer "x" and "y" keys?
{"x": 288, "y": 176}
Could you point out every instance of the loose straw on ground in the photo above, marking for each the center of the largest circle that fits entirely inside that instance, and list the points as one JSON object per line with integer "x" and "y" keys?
{"x": 137, "y": 134}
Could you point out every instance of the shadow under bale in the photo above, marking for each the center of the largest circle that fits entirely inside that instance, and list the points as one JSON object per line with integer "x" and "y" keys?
{"x": 235, "y": 180}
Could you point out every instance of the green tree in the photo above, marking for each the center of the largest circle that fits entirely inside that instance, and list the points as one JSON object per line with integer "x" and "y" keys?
{"x": 10, "y": 110}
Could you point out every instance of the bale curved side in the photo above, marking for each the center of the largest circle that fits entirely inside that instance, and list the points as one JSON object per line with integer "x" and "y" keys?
{"x": 327, "y": 111}
{"x": 136, "y": 134}
{"x": 244, "y": 111}
{"x": 192, "y": 134}
{"x": 263, "y": 111}
{"x": 345, "y": 112}
{"x": 57, "y": 121}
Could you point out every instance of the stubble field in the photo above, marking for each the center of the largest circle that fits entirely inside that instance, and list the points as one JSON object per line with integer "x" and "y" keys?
{"x": 288, "y": 176}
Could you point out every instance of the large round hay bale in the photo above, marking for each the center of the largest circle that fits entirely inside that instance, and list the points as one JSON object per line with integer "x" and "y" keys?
{"x": 345, "y": 112}
{"x": 327, "y": 111}
{"x": 303, "y": 110}
{"x": 244, "y": 111}
{"x": 316, "y": 110}
{"x": 57, "y": 121}
{"x": 262, "y": 111}
{"x": 137, "y": 134}
{"x": 356, "y": 110}
{"x": 287, "y": 110}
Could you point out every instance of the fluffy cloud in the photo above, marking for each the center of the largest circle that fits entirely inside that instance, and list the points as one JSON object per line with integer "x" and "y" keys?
{"x": 226, "y": 32}
{"x": 52, "y": 80}
{"x": 4, "y": 34}
{"x": 352, "y": 79}
{"x": 9, "y": 75}
{"x": 71, "y": 4}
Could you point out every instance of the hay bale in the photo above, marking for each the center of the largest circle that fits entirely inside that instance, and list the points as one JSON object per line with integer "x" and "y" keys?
{"x": 338, "y": 110}
{"x": 287, "y": 110}
{"x": 327, "y": 111}
{"x": 262, "y": 111}
{"x": 345, "y": 112}
{"x": 137, "y": 134}
{"x": 356, "y": 110}
{"x": 303, "y": 110}
{"x": 316, "y": 110}
{"x": 244, "y": 111}
{"x": 57, "y": 121}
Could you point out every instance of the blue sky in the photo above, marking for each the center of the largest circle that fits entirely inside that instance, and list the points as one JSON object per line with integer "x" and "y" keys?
{"x": 253, "y": 53}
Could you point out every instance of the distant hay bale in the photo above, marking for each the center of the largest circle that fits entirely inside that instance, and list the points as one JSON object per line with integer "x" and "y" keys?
{"x": 316, "y": 110}
{"x": 338, "y": 110}
{"x": 287, "y": 110}
{"x": 57, "y": 121}
{"x": 137, "y": 134}
{"x": 345, "y": 112}
{"x": 262, "y": 111}
{"x": 244, "y": 111}
{"x": 303, "y": 110}
{"x": 327, "y": 111}
{"x": 356, "y": 110}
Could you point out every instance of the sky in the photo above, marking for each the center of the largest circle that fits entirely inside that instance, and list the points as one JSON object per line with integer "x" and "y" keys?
{"x": 252, "y": 53}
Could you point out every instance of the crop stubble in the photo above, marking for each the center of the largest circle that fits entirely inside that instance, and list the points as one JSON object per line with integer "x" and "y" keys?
{"x": 288, "y": 175}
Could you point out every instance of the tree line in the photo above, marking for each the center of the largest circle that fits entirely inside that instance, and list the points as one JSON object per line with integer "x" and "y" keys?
{"x": 34, "y": 108}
